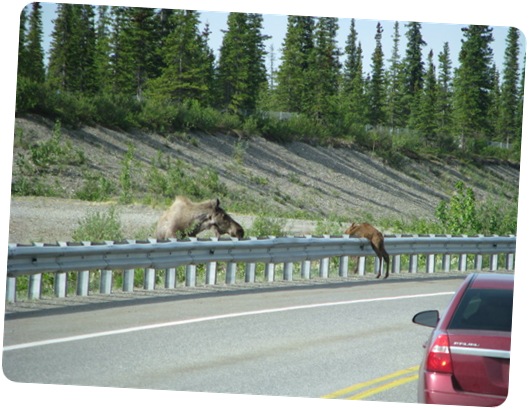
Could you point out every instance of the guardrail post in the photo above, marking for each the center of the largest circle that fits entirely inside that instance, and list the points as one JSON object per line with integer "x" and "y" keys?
{"x": 231, "y": 270}
{"x": 305, "y": 269}
{"x": 494, "y": 261}
{"x": 231, "y": 273}
{"x": 361, "y": 268}
{"x": 414, "y": 263}
{"x": 344, "y": 266}
{"x": 191, "y": 276}
{"x": 395, "y": 264}
{"x": 211, "y": 273}
{"x": 83, "y": 280}
{"x": 478, "y": 259}
{"x": 211, "y": 269}
{"x": 395, "y": 260}
{"x": 288, "y": 268}
{"x": 60, "y": 280}
{"x": 105, "y": 282}
{"x": 463, "y": 262}
{"x": 324, "y": 264}
{"x": 149, "y": 278}
{"x": 509, "y": 261}
{"x": 430, "y": 263}
{"x": 324, "y": 268}
{"x": 270, "y": 272}
{"x": 11, "y": 290}
{"x": 128, "y": 276}
{"x": 249, "y": 272}
{"x": 35, "y": 282}
{"x": 446, "y": 262}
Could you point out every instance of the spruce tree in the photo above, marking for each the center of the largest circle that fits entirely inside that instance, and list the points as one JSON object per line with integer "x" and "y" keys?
{"x": 473, "y": 82}
{"x": 186, "y": 60}
{"x": 33, "y": 66}
{"x": 325, "y": 73}
{"x": 354, "y": 105}
{"x": 395, "y": 114}
{"x": 413, "y": 68}
{"x": 23, "y": 55}
{"x": 423, "y": 116}
{"x": 293, "y": 90}
{"x": 72, "y": 52}
{"x": 103, "y": 49}
{"x": 510, "y": 93}
{"x": 134, "y": 50}
{"x": 241, "y": 68}
{"x": 444, "y": 100}
{"x": 376, "y": 84}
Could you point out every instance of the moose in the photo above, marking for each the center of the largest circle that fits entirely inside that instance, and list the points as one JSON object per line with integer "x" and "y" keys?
{"x": 375, "y": 237}
{"x": 187, "y": 218}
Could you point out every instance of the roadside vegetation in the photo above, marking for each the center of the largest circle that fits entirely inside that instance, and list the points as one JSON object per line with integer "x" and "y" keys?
{"x": 172, "y": 83}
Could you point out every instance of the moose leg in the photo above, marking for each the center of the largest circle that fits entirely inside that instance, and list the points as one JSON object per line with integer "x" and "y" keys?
{"x": 386, "y": 258}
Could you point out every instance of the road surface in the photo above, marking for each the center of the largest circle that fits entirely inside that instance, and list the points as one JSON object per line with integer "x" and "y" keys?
{"x": 348, "y": 341}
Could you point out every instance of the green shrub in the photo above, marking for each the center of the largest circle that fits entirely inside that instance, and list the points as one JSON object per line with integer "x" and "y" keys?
{"x": 264, "y": 226}
{"x": 95, "y": 188}
{"x": 98, "y": 227}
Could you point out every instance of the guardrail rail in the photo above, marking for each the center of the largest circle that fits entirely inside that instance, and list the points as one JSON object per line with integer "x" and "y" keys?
{"x": 304, "y": 256}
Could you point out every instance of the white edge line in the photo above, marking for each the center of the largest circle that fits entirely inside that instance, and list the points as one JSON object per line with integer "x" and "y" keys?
{"x": 209, "y": 318}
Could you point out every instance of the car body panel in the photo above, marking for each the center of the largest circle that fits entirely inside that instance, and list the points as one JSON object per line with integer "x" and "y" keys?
{"x": 479, "y": 349}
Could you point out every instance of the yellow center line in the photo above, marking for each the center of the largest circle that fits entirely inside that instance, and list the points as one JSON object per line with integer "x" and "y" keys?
{"x": 359, "y": 386}
{"x": 384, "y": 387}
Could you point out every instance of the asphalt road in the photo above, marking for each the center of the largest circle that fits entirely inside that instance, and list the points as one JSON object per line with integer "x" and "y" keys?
{"x": 343, "y": 341}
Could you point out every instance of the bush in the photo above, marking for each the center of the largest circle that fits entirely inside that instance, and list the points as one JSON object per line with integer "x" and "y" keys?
{"x": 264, "y": 226}
{"x": 116, "y": 110}
{"x": 95, "y": 188}
{"x": 30, "y": 95}
{"x": 98, "y": 227}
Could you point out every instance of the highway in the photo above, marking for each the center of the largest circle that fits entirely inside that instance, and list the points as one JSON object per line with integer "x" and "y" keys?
{"x": 345, "y": 341}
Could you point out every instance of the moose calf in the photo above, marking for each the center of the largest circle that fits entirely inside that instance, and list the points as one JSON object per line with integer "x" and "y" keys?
{"x": 375, "y": 237}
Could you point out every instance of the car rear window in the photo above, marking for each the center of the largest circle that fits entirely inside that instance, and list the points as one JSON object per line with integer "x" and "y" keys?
{"x": 484, "y": 309}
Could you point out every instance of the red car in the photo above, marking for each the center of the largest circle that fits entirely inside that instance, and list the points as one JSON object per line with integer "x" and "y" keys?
{"x": 467, "y": 356}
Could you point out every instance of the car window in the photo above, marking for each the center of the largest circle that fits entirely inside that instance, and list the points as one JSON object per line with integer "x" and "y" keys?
{"x": 484, "y": 309}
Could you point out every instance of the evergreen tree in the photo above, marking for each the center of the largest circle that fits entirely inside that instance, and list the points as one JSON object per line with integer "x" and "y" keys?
{"x": 444, "y": 100}
{"x": 519, "y": 108}
{"x": 23, "y": 55}
{"x": 134, "y": 49}
{"x": 33, "y": 53}
{"x": 376, "y": 86}
{"x": 495, "y": 108}
{"x": 353, "y": 90}
{"x": 325, "y": 73}
{"x": 72, "y": 52}
{"x": 241, "y": 68}
{"x": 103, "y": 50}
{"x": 293, "y": 90}
{"x": 473, "y": 82}
{"x": 510, "y": 93}
{"x": 86, "y": 37}
{"x": 187, "y": 61}
{"x": 395, "y": 82}
{"x": 413, "y": 68}
{"x": 422, "y": 118}
{"x": 352, "y": 58}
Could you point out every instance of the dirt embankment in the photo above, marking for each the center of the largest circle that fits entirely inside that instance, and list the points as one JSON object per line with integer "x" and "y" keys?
{"x": 294, "y": 177}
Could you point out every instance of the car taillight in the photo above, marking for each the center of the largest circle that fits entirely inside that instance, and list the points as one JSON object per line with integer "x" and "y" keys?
{"x": 439, "y": 359}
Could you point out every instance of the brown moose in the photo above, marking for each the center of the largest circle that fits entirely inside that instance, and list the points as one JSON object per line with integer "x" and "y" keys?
{"x": 187, "y": 218}
{"x": 375, "y": 237}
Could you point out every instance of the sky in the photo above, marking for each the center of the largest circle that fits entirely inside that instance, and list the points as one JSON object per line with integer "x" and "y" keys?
{"x": 275, "y": 25}
{"x": 448, "y": 16}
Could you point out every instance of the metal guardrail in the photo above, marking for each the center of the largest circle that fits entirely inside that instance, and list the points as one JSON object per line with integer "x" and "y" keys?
{"x": 151, "y": 256}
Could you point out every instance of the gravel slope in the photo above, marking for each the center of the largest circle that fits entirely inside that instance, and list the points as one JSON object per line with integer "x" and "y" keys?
{"x": 297, "y": 176}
